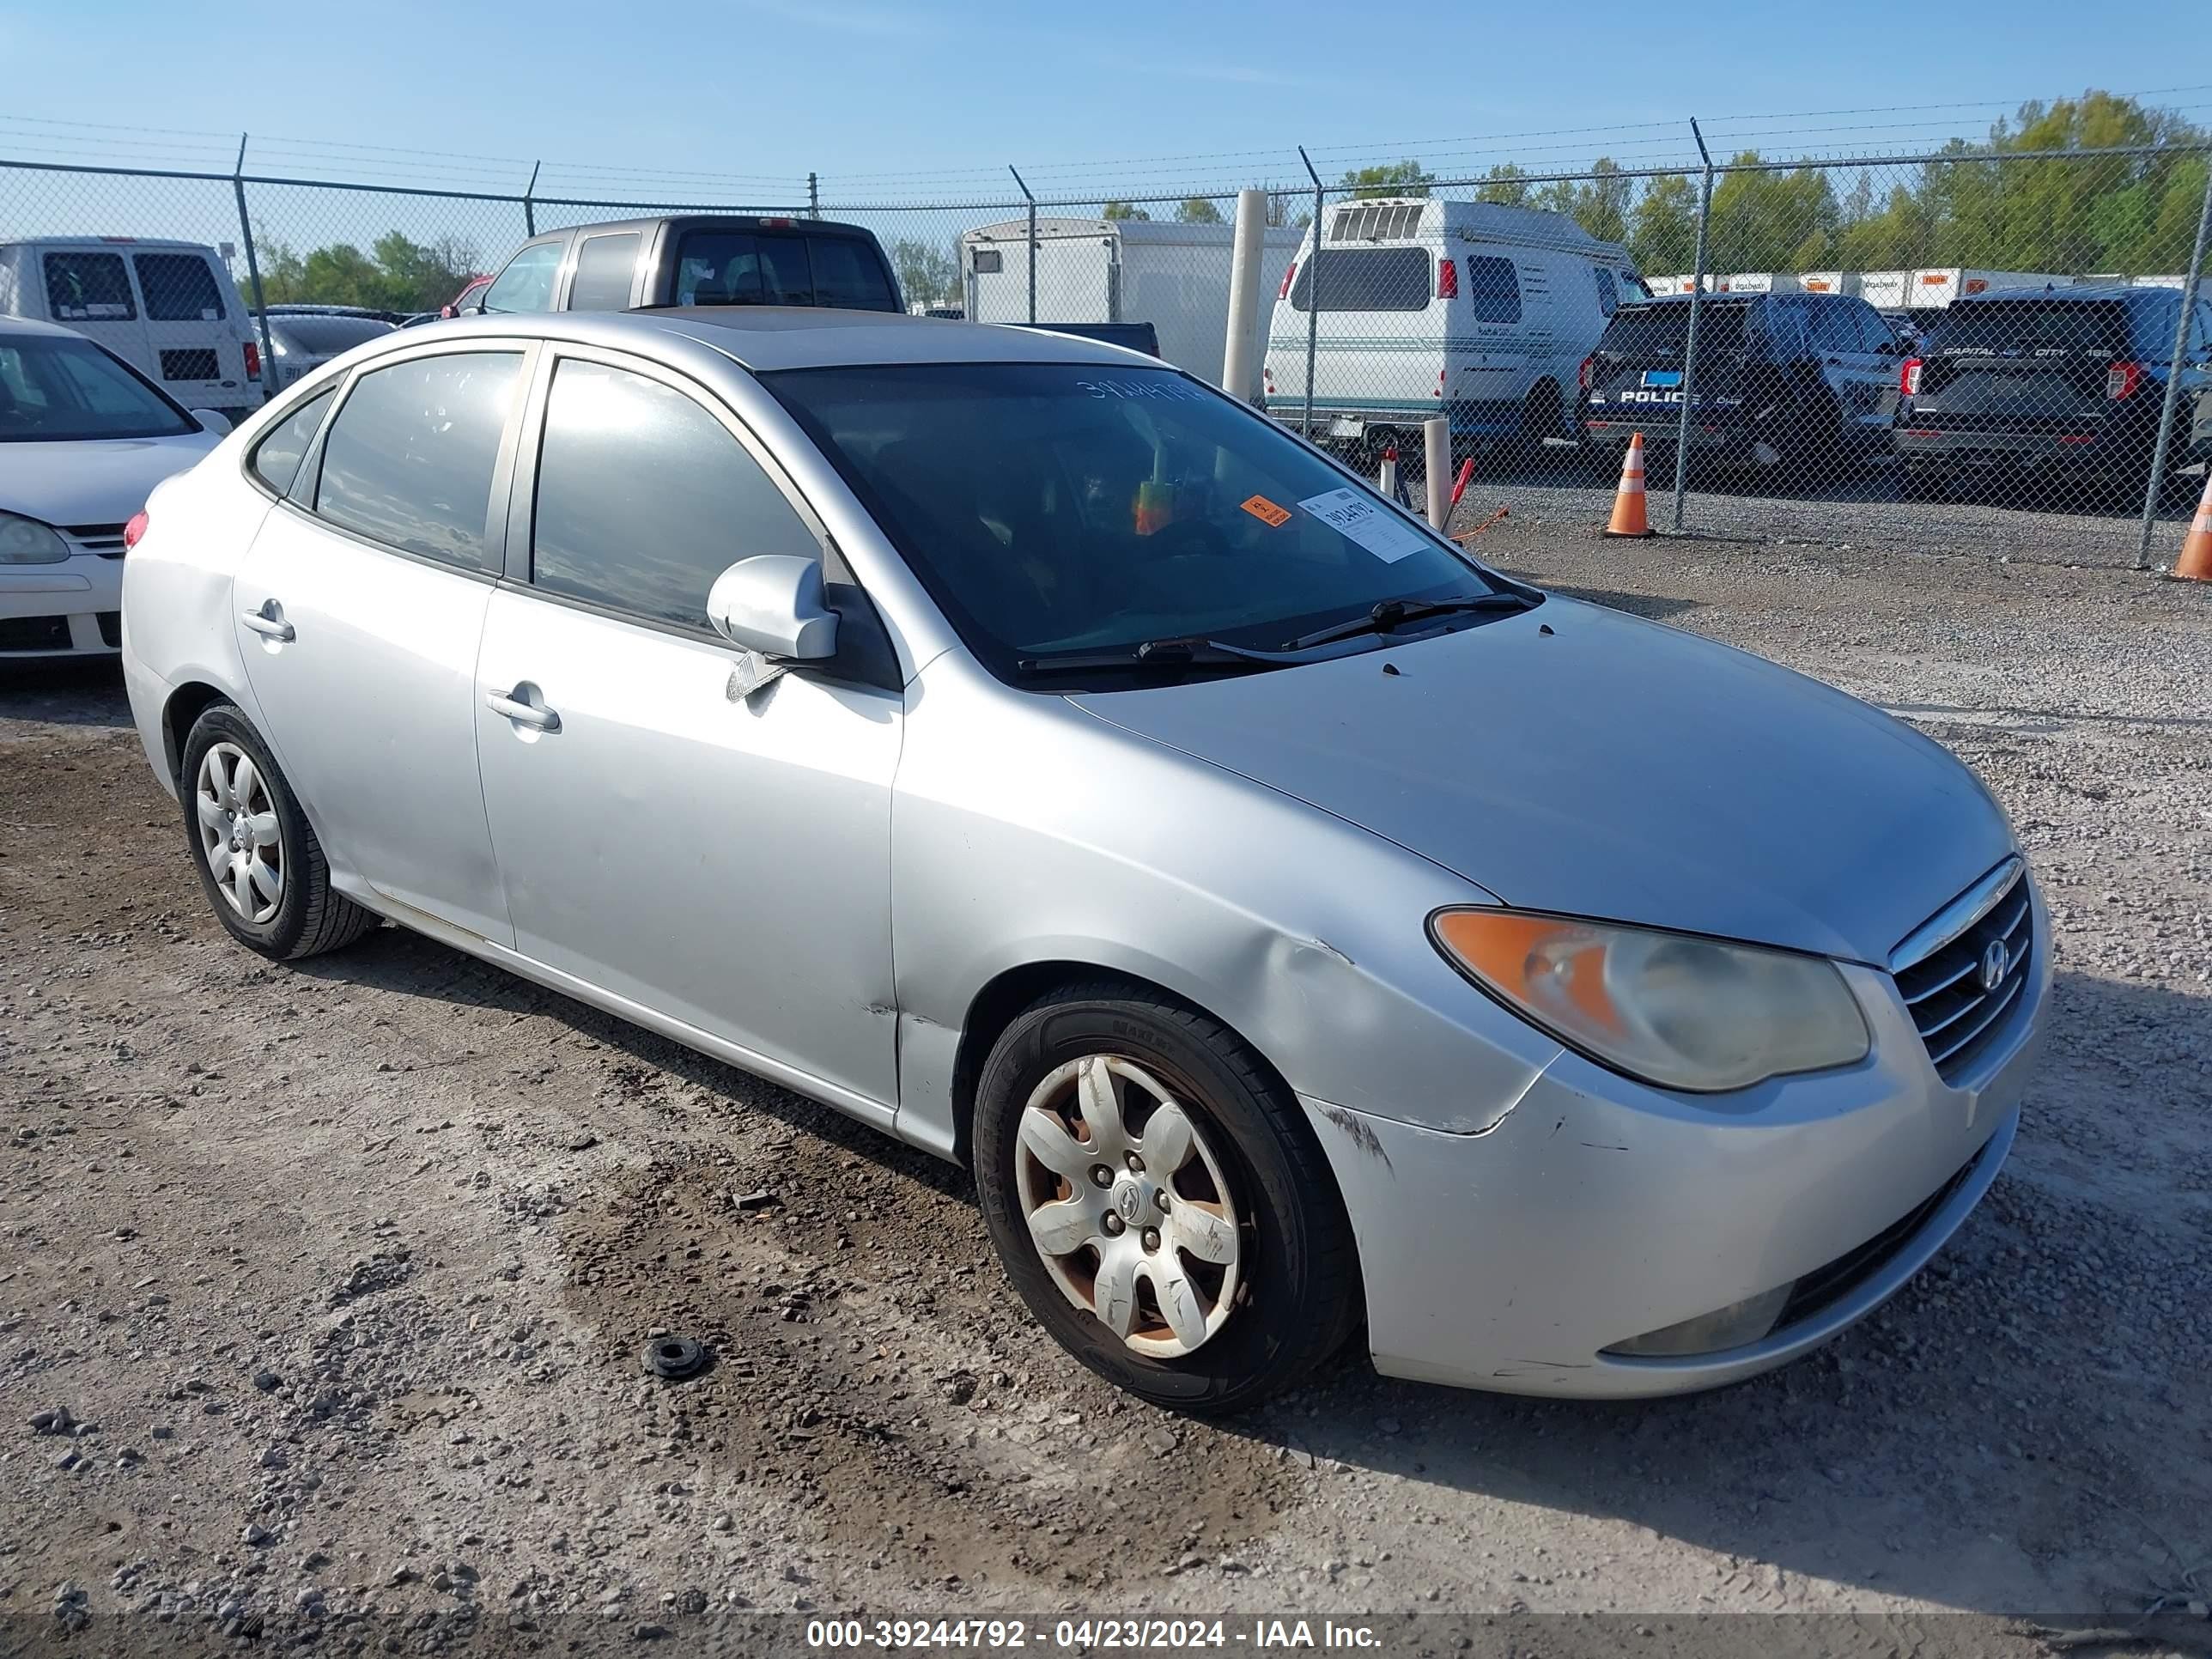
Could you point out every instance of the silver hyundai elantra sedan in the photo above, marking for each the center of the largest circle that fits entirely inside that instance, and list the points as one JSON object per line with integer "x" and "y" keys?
{"x": 1294, "y": 924}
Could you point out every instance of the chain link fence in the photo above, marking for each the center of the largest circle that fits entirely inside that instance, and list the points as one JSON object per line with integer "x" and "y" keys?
{"x": 1994, "y": 351}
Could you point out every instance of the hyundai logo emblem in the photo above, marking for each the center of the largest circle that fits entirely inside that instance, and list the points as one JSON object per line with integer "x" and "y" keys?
{"x": 1995, "y": 961}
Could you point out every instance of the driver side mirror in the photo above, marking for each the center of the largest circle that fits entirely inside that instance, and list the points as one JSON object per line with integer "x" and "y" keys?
{"x": 773, "y": 602}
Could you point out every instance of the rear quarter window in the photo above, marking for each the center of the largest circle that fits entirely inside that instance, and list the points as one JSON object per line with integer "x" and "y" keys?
{"x": 88, "y": 287}
{"x": 1495, "y": 286}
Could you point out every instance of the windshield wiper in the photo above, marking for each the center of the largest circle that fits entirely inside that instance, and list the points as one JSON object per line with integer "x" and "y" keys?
{"x": 1389, "y": 614}
{"x": 1153, "y": 655}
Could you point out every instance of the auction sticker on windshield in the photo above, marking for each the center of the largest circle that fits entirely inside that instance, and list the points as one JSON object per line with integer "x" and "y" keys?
{"x": 1267, "y": 511}
{"x": 1388, "y": 538}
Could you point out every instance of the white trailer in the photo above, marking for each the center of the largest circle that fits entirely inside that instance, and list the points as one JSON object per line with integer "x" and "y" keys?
{"x": 1938, "y": 286}
{"x": 1758, "y": 282}
{"x": 1829, "y": 281}
{"x": 1173, "y": 276}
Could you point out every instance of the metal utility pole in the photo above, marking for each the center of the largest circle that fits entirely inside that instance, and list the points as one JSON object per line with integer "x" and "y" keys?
{"x": 1032, "y": 200}
{"x": 813, "y": 195}
{"x": 1312, "y": 274}
{"x": 1248, "y": 254}
{"x": 529, "y": 207}
{"x": 253, "y": 271}
{"x": 1690, "y": 344}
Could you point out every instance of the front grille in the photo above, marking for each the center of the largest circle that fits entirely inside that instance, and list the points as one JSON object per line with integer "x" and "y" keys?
{"x": 105, "y": 539}
{"x": 1959, "y": 1015}
{"x": 111, "y": 629}
{"x": 195, "y": 364}
{"x": 34, "y": 634}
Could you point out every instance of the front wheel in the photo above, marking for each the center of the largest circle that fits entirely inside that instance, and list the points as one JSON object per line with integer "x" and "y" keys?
{"x": 1159, "y": 1201}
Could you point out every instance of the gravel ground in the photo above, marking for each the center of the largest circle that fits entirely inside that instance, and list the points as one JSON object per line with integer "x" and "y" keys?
{"x": 325, "y": 1287}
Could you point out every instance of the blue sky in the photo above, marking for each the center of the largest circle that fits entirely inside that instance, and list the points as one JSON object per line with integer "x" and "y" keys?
{"x": 891, "y": 101}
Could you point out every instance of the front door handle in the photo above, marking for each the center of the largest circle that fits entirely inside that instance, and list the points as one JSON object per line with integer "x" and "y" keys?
{"x": 522, "y": 713}
{"x": 269, "y": 622}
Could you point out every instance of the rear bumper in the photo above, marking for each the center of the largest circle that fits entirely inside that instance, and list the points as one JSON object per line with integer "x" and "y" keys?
{"x": 52, "y": 611}
{"x": 2085, "y": 451}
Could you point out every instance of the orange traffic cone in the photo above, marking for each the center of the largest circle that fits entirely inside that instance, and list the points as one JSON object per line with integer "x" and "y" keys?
{"x": 2195, "y": 564}
{"x": 1629, "y": 518}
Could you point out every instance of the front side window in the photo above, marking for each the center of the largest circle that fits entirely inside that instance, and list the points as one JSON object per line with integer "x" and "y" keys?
{"x": 409, "y": 458}
{"x": 527, "y": 284}
{"x": 644, "y": 498}
{"x": 88, "y": 287}
{"x": 605, "y": 265}
{"x": 1059, "y": 509}
{"x": 1495, "y": 287}
{"x": 1365, "y": 279}
{"x": 179, "y": 288}
{"x": 54, "y": 389}
{"x": 276, "y": 458}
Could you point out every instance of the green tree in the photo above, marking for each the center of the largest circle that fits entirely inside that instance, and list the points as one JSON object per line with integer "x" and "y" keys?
{"x": 1662, "y": 231}
{"x": 1408, "y": 177}
{"x": 1600, "y": 204}
{"x": 1123, "y": 210}
{"x": 1198, "y": 210}
{"x": 927, "y": 273}
{"x": 396, "y": 275}
{"x": 1767, "y": 220}
{"x": 1505, "y": 184}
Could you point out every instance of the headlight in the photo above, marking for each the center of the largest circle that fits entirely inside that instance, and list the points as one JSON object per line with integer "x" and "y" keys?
{"x": 26, "y": 541}
{"x": 1674, "y": 1009}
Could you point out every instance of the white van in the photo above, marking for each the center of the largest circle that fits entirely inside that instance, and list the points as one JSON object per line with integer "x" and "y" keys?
{"x": 1467, "y": 309}
{"x": 168, "y": 309}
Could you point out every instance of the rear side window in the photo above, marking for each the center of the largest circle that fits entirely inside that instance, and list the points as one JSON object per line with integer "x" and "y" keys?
{"x": 644, "y": 498}
{"x": 88, "y": 287}
{"x": 1365, "y": 279}
{"x": 1608, "y": 291}
{"x": 1495, "y": 287}
{"x": 179, "y": 288}
{"x": 742, "y": 268}
{"x": 604, "y": 267}
{"x": 527, "y": 284}
{"x": 409, "y": 457}
{"x": 276, "y": 458}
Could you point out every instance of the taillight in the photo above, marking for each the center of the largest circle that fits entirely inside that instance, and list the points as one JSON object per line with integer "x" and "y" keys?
{"x": 252, "y": 359}
{"x": 1586, "y": 373}
{"x": 135, "y": 529}
{"x": 1283, "y": 292}
{"x": 1908, "y": 377}
{"x": 1447, "y": 278}
{"x": 2121, "y": 380}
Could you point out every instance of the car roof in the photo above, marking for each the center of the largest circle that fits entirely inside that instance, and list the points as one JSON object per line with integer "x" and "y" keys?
{"x": 736, "y": 220}
{"x": 30, "y": 325}
{"x": 765, "y": 338}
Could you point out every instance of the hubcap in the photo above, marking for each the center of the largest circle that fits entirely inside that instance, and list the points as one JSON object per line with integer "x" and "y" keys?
{"x": 1152, "y": 1250}
{"x": 238, "y": 832}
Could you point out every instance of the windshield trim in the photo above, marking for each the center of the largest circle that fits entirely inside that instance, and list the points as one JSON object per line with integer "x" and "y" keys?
{"x": 1004, "y": 665}
{"x": 184, "y": 415}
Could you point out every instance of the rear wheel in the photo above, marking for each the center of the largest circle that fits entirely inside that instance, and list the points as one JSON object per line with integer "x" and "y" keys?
{"x": 1926, "y": 481}
{"x": 257, "y": 855}
{"x": 1542, "y": 415}
{"x": 1159, "y": 1201}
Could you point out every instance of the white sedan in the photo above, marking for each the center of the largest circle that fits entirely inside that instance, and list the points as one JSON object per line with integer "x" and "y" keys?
{"x": 83, "y": 440}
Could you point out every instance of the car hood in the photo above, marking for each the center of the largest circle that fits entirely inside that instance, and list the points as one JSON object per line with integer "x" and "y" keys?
{"x": 1575, "y": 759}
{"x": 98, "y": 481}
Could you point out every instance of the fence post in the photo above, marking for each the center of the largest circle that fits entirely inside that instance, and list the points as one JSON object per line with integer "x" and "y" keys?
{"x": 529, "y": 207}
{"x": 2154, "y": 485}
{"x": 1313, "y": 293}
{"x": 813, "y": 194}
{"x": 253, "y": 273}
{"x": 1032, "y": 200}
{"x": 1690, "y": 343}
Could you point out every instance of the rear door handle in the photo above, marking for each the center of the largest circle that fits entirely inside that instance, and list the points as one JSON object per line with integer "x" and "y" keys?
{"x": 269, "y": 622}
{"x": 522, "y": 713}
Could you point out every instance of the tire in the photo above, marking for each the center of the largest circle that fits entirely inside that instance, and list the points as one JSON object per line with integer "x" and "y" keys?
{"x": 1543, "y": 415}
{"x": 1295, "y": 1291}
{"x": 1925, "y": 481}
{"x": 306, "y": 915}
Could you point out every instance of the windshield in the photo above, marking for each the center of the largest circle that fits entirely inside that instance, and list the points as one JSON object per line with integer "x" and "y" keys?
{"x": 1056, "y": 508}
{"x": 57, "y": 390}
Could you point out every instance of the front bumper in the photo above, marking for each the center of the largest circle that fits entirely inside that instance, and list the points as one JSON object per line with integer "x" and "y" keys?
{"x": 1597, "y": 1209}
{"x": 52, "y": 611}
